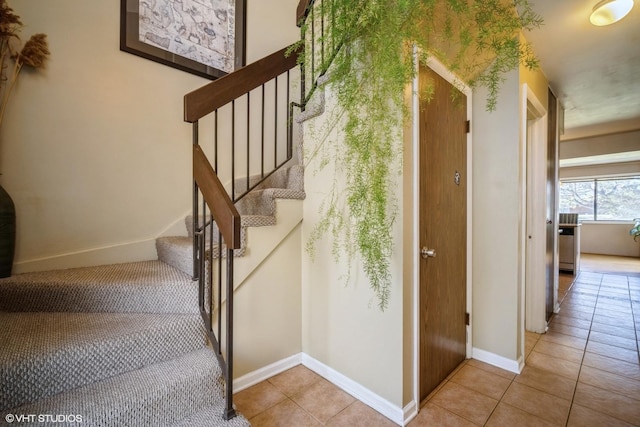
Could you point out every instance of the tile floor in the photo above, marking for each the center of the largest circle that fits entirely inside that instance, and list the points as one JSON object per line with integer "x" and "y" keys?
{"x": 585, "y": 371}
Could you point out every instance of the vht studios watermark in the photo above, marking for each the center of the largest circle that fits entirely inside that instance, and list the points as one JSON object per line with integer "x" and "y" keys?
{"x": 43, "y": 418}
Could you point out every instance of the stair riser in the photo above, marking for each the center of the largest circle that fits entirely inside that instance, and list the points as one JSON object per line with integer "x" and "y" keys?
{"x": 158, "y": 395}
{"x": 73, "y": 299}
{"x": 147, "y": 287}
{"x": 50, "y": 362}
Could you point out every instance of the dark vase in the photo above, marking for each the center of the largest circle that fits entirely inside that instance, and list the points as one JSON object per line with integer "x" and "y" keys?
{"x": 7, "y": 233}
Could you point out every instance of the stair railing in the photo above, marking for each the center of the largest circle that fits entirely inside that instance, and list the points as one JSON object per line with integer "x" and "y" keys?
{"x": 248, "y": 115}
{"x": 315, "y": 17}
{"x": 252, "y": 114}
{"x": 218, "y": 207}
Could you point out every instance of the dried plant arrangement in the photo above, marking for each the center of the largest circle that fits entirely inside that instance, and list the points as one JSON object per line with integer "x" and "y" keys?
{"x": 34, "y": 53}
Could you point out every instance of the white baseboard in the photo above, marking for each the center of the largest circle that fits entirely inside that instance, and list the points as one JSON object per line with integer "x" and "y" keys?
{"x": 400, "y": 416}
{"x": 410, "y": 412}
{"x": 510, "y": 365}
{"x": 363, "y": 394}
{"x": 253, "y": 378}
{"x": 143, "y": 250}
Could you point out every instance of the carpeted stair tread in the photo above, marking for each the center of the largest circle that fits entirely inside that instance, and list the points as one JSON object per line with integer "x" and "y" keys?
{"x": 257, "y": 209}
{"x": 142, "y": 287}
{"x": 47, "y": 353}
{"x": 161, "y": 394}
{"x": 177, "y": 251}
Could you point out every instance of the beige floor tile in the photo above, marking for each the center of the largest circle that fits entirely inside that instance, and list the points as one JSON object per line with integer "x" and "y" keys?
{"x": 528, "y": 348}
{"x": 585, "y": 289}
{"x": 569, "y": 330}
{"x": 467, "y": 403}
{"x": 592, "y": 280}
{"x": 257, "y": 399}
{"x": 615, "y": 366}
{"x": 619, "y": 353}
{"x": 607, "y": 320}
{"x": 489, "y": 384}
{"x": 323, "y": 400}
{"x": 434, "y": 392}
{"x": 560, "y": 351}
{"x": 569, "y": 311}
{"x": 492, "y": 369}
{"x": 588, "y": 276}
{"x": 620, "y": 305}
{"x": 608, "y": 381}
{"x": 605, "y": 401}
{"x": 360, "y": 415}
{"x": 577, "y": 310}
{"x": 284, "y": 414}
{"x": 548, "y": 382}
{"x": 554, "y": 365}
{"x": 580, "y": 299}
{"x": 533, "y": 336}
{"x": 295, "y": 380}
{"x": 613, "y": 340}
{"x": 568, "y": 340}
{"x": 507, "y": 415}
{"x": 431, "y": 415}
{"x": 582, "y": 295}
{"x": 585, "y": 417}
{"x": 620, "y": 287}
{"x": 538, "y": 403}
{"x": 530, "y": 340}
{"x": 614, "y": 330}
{"x": 455, "y": 371}
{"x": 619, "y": 316}
{"x": 571, "y": 321}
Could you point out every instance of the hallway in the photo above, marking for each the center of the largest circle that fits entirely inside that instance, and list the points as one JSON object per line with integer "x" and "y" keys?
{"x": 585, "y": 371}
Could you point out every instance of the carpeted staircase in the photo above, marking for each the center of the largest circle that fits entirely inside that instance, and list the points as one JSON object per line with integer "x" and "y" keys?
{"x": 120, "y": 345}
{"x": 257, "y": 209}
{"x": 116, "y": 345}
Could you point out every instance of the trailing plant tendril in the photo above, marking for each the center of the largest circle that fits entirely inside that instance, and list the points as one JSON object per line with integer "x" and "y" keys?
{"x": 478, "y": 40}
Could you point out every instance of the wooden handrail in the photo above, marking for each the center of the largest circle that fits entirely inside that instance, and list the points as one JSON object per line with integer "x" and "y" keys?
{"x": 222, "y": 208}
{"x": 302, "y": 10}
{"x": 220, "y": 92}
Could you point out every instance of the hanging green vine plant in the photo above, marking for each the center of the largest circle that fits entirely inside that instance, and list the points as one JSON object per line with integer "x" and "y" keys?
{"x": 366, "y": 49}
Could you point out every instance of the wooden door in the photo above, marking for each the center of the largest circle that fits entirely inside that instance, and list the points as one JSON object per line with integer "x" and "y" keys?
{"x": 443, "y": 220}
{"x": 552, "y": 234}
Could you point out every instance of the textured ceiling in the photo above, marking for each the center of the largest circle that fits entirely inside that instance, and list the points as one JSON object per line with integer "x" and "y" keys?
{"x": 594, "y": 71}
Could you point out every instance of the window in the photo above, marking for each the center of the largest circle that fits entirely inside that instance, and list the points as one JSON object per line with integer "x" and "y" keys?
{"x": 610, "y": 199}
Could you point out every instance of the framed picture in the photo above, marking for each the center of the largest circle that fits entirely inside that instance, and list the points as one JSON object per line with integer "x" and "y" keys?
{"x": 205, "y": 38}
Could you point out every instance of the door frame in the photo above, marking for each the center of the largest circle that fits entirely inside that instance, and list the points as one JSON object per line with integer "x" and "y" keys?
{"x": 533, "y": 158}
{"x": 443, "y": 72}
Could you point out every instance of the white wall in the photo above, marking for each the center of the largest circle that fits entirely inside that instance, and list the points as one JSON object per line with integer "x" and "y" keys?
{"x": 599, "y": 145}
{"x": 342, "y": 327}
{"x": 267, "y": 309}
{"x": 94, "y": 150}
{"x": 601, "y": 170}
{"x": 496, "y": 218}
{"x": 608, "y": 238}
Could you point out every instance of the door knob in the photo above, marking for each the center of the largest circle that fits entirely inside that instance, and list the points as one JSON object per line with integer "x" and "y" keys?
{"x": 427, "y": 253}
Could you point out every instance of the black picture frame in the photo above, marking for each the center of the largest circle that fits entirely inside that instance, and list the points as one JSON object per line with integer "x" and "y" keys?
{"x": 129, "y": 42}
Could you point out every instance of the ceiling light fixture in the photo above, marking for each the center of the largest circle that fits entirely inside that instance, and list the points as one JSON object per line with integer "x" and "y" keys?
{"x": 609, "y": 11}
